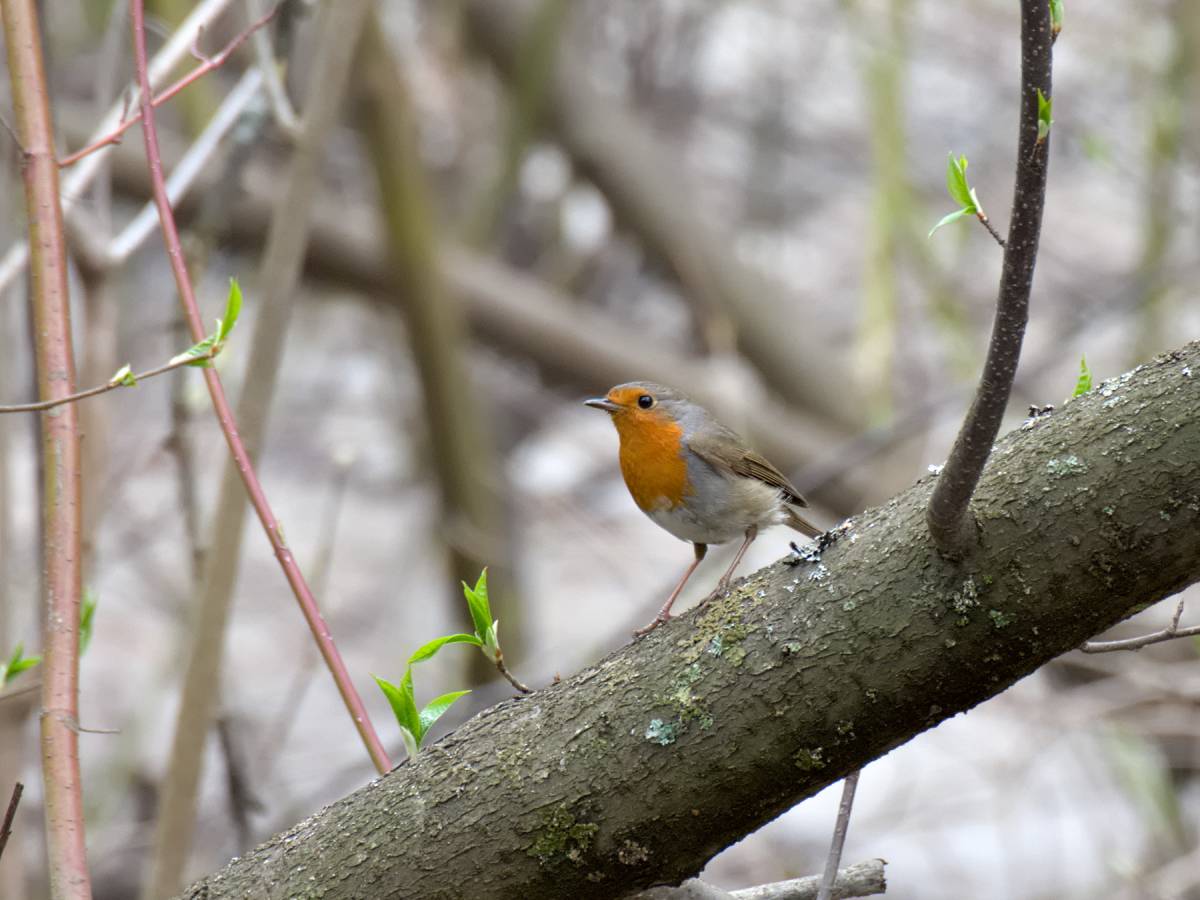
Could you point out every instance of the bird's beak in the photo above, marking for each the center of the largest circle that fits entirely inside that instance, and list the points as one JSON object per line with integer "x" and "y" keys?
{"x": 601, "y": 403}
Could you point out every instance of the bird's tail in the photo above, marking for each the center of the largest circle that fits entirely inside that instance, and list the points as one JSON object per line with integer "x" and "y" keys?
{"x": 794, "y": 520}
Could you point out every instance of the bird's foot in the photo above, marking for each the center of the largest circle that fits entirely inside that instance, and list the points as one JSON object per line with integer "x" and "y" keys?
{"x": 660, "y": 619}
{"x": 721, "y": 588}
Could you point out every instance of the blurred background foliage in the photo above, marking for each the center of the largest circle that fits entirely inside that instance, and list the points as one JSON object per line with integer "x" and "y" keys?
{"x": 523, "y": 203}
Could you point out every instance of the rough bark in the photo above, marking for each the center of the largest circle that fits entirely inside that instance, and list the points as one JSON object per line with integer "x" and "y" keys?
{"x": 635, "y": 771}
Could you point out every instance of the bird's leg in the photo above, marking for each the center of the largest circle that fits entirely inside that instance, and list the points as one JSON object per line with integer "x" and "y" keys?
{"x": 723, "y": 584}
{"x": 665, "y": 612}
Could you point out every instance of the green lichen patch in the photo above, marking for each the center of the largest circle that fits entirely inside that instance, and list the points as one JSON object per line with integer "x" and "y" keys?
{"x": 719, "y": 628}
{"x": 562, "y": 839}
{"x": 660, "y": 732}
{"x": 809, "y": 759}
{"x": 1065, "y": 466}
{"x": 966, "y": 597}
{"x": 685, "y": 702}
{"x": 999, "y": 619}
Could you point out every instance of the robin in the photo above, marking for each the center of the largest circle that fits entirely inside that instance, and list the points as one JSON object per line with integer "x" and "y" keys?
{"x": 695, "y": 477}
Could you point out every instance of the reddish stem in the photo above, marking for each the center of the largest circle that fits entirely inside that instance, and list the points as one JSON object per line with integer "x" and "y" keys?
{"x": 207, "y": 65}
{"x": 63, "y": 800}
{"x": 258, "y": 500}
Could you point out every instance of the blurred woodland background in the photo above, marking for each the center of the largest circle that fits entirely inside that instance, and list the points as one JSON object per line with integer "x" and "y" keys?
{"x": 519, "y": 205}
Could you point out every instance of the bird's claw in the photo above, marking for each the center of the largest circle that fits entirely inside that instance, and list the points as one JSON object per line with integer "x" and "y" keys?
{"x": 660, "y": 619}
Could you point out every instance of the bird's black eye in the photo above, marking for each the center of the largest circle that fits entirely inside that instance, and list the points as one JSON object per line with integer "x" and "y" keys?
{"x": 645, "y": 401}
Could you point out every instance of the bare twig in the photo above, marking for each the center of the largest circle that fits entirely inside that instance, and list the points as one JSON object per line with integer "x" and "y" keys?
{"x": 224, "y": 414}
{"x": 75, "y": 184}
{"x": 190, "y": 166}
{"x": 6, "y": 827}
{"x": 1169, "y": 633}
{"x": 862, "y": 880}
{"x": 839, "y": 837}
{"x": 264, "y": 53}
{"x": 991, "y": 229}
{"x": 61, "y": 454}
{"x": 947, "y": 512}
{"x": 105, "y": 388}
{"x": 208, "y": 63}
{"x": 511, "y": 678}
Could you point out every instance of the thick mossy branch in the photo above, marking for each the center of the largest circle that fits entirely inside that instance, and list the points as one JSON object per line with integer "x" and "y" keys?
{"x": 635, "y": 771}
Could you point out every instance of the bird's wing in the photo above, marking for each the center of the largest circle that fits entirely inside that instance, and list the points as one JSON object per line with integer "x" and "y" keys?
{"x": 724, "y": 452}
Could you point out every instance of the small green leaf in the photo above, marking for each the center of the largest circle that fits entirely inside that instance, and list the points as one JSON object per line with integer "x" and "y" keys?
{"x": 21, "y": 665}
{"x": 233, "y": 309}
{"x": 436, "y": 708}
{"x": 1045, "y": 108}
{"x": 947, "y": 219}
{"x": 428, "y": 650}
{"x": 86, "y": 616}
{"x": 1056, "y": 16}
{"x": 201, "y": 354}
{"x": 124, "y": 377}
{"x": 401, "y": 699}
{"x": 1083, "y": 383}
{"x": 17, "y": 663}
{"x": 956, "y": 182}
{"x": 477, "y": 602}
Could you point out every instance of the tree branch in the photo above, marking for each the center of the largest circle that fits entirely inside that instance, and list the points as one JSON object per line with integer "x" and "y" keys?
{"x": 460, "y": 446}
{"x": 61, "y": 456}
{"x": 100, "y": 389}
{"x": 830, "y": 875}
{"x": 206, "y": 66}
{"x": 1169, "y": 633}
{"x": 280, "y": 271}
{"x": 862, "y": 880}
{"x": 636, "y": 771}
{"x": 11, "y": 813}
{"x": 949, "y": 524}
{"x": 78, "y": 179}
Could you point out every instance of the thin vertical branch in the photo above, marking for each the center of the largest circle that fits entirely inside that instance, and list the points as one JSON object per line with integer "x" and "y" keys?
{"x": 225, "y": 415}
{"x": 10, "y": 814}
{"x": 472, "y": 509}
{"x": 281, "y": 267}
{"x": 849, "y": 786}
{"x": 61, "y": 456}
{"x": 947, "y": 518}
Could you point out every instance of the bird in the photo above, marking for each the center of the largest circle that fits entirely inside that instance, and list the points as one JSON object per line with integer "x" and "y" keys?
{"x": 694, "y": 477}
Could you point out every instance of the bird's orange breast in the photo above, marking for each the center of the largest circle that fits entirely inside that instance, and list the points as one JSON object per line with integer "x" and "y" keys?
{"x": 651, "y": 459}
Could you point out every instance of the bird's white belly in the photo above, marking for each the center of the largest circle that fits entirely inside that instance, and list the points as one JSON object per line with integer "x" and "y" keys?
{"x": 722, "y": 515}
